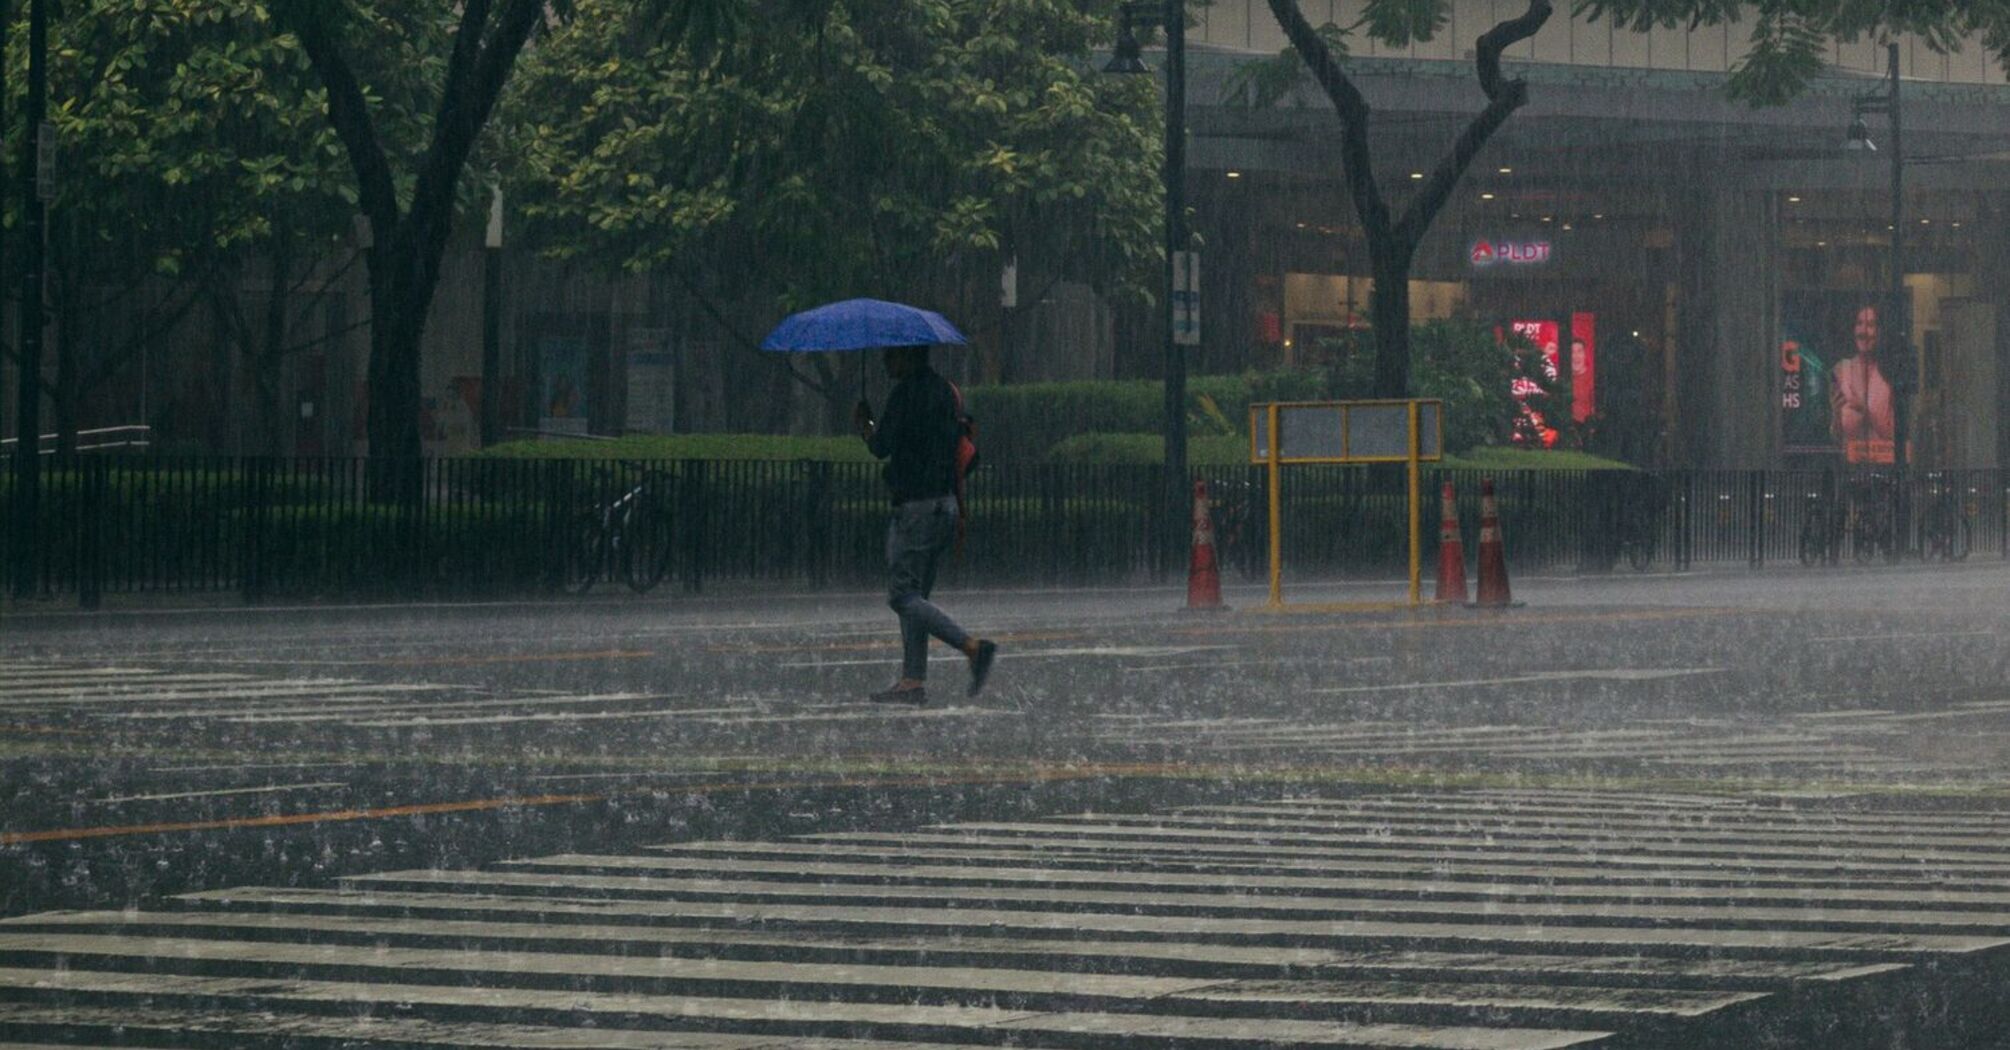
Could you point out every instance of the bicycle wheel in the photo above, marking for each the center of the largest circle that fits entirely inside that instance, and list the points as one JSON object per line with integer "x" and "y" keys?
{"x": 646, "y": 558}
{"x": 1813, "y": 543}
{"x": 583, "y": 555}
{"x": 1960, "y": 540}
{"x": 1863, "y": 543}
{"x": 1640, "y": 553}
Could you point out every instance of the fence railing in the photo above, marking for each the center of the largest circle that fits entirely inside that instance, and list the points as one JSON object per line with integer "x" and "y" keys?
{"x": 111, "y": 523}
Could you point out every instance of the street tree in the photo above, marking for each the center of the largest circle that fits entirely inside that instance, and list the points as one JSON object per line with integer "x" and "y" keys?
{"x": 178, "y": 127}
{"x": 1787, "y": 40}
{"x": 1393, "y": 236}
{"x": 467, "y": 50}
{"x": 895, "y": 148}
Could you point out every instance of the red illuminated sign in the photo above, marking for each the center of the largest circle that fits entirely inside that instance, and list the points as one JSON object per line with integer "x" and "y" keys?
{"x": 1515, "y": 253}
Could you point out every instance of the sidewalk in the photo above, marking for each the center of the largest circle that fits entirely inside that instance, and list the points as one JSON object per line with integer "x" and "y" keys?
{"x": 1982, "y": 583}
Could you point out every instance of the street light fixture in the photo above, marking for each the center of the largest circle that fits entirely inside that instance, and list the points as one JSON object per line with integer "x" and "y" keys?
{"x": 1126, "y": 58}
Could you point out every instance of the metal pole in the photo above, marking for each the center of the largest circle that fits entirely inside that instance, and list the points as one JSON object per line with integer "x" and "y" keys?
{"x": 28, "y": 423}
{"x": 1176, "y": 241}
{"x": 492, "y": 325}
{"x": 1416, "y": 535}
{"x": 1899, "y": 363}
{"x": 1276, "y": 500}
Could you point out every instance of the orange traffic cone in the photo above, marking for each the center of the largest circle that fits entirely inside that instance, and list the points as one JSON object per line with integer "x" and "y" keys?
{"x": 1493, "y": 590}
{"x": 1203, "y": 576}
{"x": 1451, "y": 552}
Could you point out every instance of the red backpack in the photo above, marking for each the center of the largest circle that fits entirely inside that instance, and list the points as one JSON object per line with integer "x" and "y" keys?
{"x": 966, "y": 461}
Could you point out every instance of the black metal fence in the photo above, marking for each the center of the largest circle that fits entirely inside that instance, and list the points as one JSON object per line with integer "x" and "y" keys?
{"x": 304, "y": 528}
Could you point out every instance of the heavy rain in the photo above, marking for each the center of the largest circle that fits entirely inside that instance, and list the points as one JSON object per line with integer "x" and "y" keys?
{"x": 1055, "y": 524}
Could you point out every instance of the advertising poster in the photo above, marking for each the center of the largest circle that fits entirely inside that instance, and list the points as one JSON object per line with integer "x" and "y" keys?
{"x": 1531, "y": 428}
{"x": 652, "y": 382}
{"x": 562, "y": 365}
{"x": 1834, "y": 395}
{"x": 1583, "y": 366}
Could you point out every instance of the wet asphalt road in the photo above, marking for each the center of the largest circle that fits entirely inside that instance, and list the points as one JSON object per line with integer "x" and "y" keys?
{"x": 1688, "y": 768}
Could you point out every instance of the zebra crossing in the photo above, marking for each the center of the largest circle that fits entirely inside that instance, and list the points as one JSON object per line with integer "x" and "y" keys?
{"x": 142, "y": 698}
{"x": 1863, "y": 746}
{"x": 1485, "y": 919}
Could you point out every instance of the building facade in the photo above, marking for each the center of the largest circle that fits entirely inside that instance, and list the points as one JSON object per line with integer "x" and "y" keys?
{"x": 1701, "y": 267}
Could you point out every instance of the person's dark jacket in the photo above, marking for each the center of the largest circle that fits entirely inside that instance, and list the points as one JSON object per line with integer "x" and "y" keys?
{"x": 917, "y": 437}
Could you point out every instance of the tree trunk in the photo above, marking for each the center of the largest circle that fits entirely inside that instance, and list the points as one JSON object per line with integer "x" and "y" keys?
{"x": 1389, "y": 313}
{"x": 397, "y": 323}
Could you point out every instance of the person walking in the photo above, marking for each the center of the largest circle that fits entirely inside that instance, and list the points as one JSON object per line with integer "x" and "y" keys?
{"x": 917, "y": 437}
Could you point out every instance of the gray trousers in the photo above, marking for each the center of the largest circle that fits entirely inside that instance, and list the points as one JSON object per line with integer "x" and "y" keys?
{"x": 920, "y": 531}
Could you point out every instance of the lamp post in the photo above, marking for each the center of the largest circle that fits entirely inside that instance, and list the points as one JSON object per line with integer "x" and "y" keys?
{"x": 1125, "y": 58}
{"x": 1894, "y": 326}
{"x": 36, "y": 177}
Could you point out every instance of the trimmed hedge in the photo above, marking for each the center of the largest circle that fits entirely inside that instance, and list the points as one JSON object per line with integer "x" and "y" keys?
{"x": 1019, "y": 422}
{"x": 1233, "y": 450}
{"x": 843, "y": 449}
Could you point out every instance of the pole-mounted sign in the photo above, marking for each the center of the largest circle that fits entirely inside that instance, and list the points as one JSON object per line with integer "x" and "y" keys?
{"x": 1186, "y": 298}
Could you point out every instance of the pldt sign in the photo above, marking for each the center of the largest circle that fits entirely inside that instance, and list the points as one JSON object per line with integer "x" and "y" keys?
{"x": 1509, "y": 253}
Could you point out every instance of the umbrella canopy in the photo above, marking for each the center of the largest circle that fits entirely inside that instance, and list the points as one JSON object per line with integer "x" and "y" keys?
{"x": 861, "y": 324}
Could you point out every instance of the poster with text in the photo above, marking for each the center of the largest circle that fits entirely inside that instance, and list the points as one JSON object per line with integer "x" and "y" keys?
{"x": 1533, "y": 372}
{"x": 562, "y": 367}
{"x": 1816, "y": 335}
{"x": 1583, "y": 365}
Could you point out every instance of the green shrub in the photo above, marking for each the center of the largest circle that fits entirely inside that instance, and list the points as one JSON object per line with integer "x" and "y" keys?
{"x": 844, "y": 449}
{"x": 1232, "y": 450}
{"x": 1019, "y": 422}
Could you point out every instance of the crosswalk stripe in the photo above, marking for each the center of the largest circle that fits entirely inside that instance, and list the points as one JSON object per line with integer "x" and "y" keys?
{"x": 348, "y": 707}
{"x": 990, "y": 980}
{"x": 1073, "y": 854}
{"x": 692, "y": 975}
{"x": 130, "y": 1019}
{"x": 1695, "y": 971}
{"x": 1497, "y": 822}
{"x": 1132, "y": 839}
{"x": 111, "y": 676}
{"x": 1583, "y": 913}
{"x": 319, "y": 785}
{"x": 353, "y": 1029}
{"x": 1880, "y": 946}
{"x": 1174, "y": 828}
{"x": 1743, "y": 815}
{"x": 1539, "y": 883}
{"x": 376, "y": 719}
{"x": 241, "y": 695}
{"x": 803, "y": 1014}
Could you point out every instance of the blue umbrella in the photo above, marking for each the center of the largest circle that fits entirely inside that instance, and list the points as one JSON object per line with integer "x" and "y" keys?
{"x": 861, "y": 324}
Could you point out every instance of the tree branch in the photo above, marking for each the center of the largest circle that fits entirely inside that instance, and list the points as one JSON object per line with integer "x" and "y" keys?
{"x": 109, "y": 365}
{"x": 481, "y": 66}
{"x": 736, "y": 336}
{"x": 1504, "y": 97}
{"x": 1352, "y": 108}
{"x": 348, "y": 112}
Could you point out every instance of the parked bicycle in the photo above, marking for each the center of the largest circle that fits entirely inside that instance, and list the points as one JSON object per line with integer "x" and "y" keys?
{"x": 631, "y": 535}
{"x": 1824, "y": 522}
{"x": 1947, "y": 529}
{"x": 1873, "y": 525}
{"x": 1640, "y": 519}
